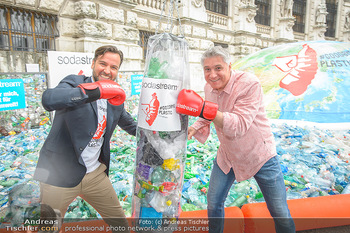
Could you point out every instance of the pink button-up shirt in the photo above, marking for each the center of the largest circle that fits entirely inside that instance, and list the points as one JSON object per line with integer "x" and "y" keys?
{"x": 246, "y": 140}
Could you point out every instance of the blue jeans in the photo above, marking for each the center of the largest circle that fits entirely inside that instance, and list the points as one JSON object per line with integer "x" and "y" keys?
{"x": 271, "y": 183}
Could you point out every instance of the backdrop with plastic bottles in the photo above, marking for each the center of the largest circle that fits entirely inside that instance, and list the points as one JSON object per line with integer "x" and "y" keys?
{"x": 314, "y": 158}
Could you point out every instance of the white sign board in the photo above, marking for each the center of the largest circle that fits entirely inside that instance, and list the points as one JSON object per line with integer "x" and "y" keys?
{"x": 62, "y": 64}
{"x": 32, "y": 68}
{"x": 157, "y": 106}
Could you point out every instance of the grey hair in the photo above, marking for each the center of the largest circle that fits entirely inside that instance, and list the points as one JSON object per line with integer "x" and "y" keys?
{"x": 216, "y": 51}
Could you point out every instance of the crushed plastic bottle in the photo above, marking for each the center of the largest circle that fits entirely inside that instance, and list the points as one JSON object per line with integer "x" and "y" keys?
{"x": 239, "y": 201}
{"x": 346, "y": 190}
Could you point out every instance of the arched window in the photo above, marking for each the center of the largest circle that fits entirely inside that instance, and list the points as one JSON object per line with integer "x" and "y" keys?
{"x": 144, "y": 36}
{"x": 217, "y": 6}
{"x": 4, "y": 35}
{"x": 331, "y": 19}
{"x": 221, "y": 44}
{"x": 299, "y": 12}
{"x": 263, "y": 14}
{"x": 24, "y": 30}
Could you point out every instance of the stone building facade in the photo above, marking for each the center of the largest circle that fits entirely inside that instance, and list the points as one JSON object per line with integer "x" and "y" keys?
{"x": 83, "y": 25}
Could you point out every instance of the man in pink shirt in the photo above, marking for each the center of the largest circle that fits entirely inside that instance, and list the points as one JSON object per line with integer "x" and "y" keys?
{"x": 234, "y": 103}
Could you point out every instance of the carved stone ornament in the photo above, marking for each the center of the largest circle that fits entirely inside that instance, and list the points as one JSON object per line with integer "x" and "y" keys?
{"x": 246, "y": 3}
{"x": 251, "y": 15}
{"x": 197, "y": 3}
{"x": 347, "y": 21}
{"x": 286, "y": 8}
{"x": 321, "y": 13}
{"x": 289, "y": 26}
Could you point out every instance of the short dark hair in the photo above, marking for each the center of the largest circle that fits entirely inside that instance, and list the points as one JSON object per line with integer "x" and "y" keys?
{"x": 108, "y": 48}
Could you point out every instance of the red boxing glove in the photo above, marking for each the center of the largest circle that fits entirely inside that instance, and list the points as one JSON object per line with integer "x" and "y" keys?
{"x": 190, "y": 103}
{"x": 104, "y": 89}
{"x": 118, "y": 100}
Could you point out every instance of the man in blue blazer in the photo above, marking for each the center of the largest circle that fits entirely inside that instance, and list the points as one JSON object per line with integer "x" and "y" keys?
{"x": 74, "y": 160}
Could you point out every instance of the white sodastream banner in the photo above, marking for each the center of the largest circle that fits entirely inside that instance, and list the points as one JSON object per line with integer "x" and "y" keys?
{"x": 157, "y": 110}
{"x": 62, "y": 64}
